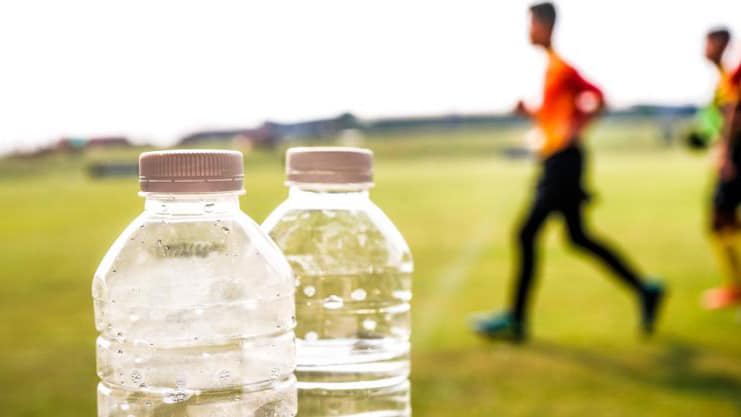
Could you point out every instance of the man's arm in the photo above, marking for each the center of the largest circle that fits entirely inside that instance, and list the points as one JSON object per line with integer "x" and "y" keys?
{"x": 736, "y": 77}
{"x": 590, "y": 99}
{"x": 590, "y": 102}
{"x": 730, "y": 125}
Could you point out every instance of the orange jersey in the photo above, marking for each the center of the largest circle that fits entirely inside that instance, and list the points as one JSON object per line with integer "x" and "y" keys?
{"x": 561, "y": 117}
{"x": 736, "y": 81}
{"x": 727, "y": 90}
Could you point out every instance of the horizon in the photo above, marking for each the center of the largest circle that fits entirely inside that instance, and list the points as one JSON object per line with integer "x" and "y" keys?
{"x": 140, "y": 141}
{"x": 160, "y": 71}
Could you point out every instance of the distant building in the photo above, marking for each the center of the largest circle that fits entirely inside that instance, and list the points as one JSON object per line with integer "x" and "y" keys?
{"x": 262, "y": 136}
{"x": 269, "y": 134}
{"x": 444, "y": 122}
{"x": 108, "y": 142}
{"x": 314, "y": 129}
{"x": 70, "y": 145}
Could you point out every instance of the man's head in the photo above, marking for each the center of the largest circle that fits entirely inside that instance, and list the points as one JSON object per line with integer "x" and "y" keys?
{"x": 716, "y": 42}
{"x": 542, "y": 22}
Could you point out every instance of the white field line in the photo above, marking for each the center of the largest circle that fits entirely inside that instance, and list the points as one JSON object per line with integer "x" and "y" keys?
{"x": 448, "y": 281}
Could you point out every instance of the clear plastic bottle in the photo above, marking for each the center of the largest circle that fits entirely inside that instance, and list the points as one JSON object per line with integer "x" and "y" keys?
{"x": 353, "y": 276}
{"x": 193, "y": 302}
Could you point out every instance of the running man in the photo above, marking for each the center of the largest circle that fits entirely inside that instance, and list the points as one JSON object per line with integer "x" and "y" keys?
{"x": 725, "y": 225}
{"x": 569, "y": 104}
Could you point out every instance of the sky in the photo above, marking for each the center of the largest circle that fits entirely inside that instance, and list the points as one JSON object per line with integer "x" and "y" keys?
{"x": 156, "y": 70}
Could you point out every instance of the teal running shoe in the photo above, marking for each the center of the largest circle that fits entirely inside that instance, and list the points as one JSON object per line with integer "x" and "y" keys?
{"x": 651, "y": 302}
{"x": 499, "y": 326}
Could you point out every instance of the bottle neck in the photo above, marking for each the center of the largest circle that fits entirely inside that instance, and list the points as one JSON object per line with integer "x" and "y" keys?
{"x": 329, "y": 196}
{"x": 190, "y": 204}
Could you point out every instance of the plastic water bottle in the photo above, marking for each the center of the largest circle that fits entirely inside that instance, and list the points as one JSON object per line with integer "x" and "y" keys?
{"x": 353, "y": 278}
{"x": 193, "y": 302}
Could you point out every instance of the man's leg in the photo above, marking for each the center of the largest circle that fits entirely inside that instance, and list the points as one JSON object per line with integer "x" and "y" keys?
{"x": 725, "y": 243}
{"x": 526, "y": 242}
{"x": 650, "y": 296}
{"x": 511, "y": 325}
{"x": 725, "y": 237}
{"x": 579, "y": 238}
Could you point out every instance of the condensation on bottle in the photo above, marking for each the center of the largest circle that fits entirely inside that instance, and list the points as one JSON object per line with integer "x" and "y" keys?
{"x": 353, "y": 274}
{"x": 194, "y": 304}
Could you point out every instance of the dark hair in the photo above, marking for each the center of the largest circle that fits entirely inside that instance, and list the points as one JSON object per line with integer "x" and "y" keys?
{"x": 544, "y": 12}
{"x": 721, "y": 34}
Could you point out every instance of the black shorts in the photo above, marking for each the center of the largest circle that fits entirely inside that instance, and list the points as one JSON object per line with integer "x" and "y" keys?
{"x": 727, "y": 194}
{"x": 560, "y": 182}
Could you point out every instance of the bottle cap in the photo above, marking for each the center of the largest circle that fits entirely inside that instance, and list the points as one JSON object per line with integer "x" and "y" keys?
{"x": 191, "y": 171}
{"x": 329, "y": 165}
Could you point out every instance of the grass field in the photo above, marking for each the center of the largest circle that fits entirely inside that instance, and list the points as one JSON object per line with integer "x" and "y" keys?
{"x": 455, "y": 199}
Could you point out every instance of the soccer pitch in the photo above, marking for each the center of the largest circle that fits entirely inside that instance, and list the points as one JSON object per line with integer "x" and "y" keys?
{"x": 455, "y": 197}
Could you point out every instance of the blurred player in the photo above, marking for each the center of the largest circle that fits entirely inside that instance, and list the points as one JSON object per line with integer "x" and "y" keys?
{"x": 710, "y": 119}
{"x": 727, "y": 196}
{"x": 569, "y": 104}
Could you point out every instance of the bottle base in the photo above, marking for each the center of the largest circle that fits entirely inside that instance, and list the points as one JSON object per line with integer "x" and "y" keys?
{"x": 278, "y": 399}
{"x": 387, "y": 401}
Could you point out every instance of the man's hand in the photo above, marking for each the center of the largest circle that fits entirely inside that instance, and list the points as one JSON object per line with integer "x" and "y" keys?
{"x": 590, "y": 103}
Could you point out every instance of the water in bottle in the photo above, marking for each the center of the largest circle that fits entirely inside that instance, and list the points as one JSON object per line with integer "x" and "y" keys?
{"x": 193, "y": 302}
{"x": 353, "y": 286}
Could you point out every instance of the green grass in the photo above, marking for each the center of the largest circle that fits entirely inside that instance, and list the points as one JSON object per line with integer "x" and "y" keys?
{"x": 456, "y": 201}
